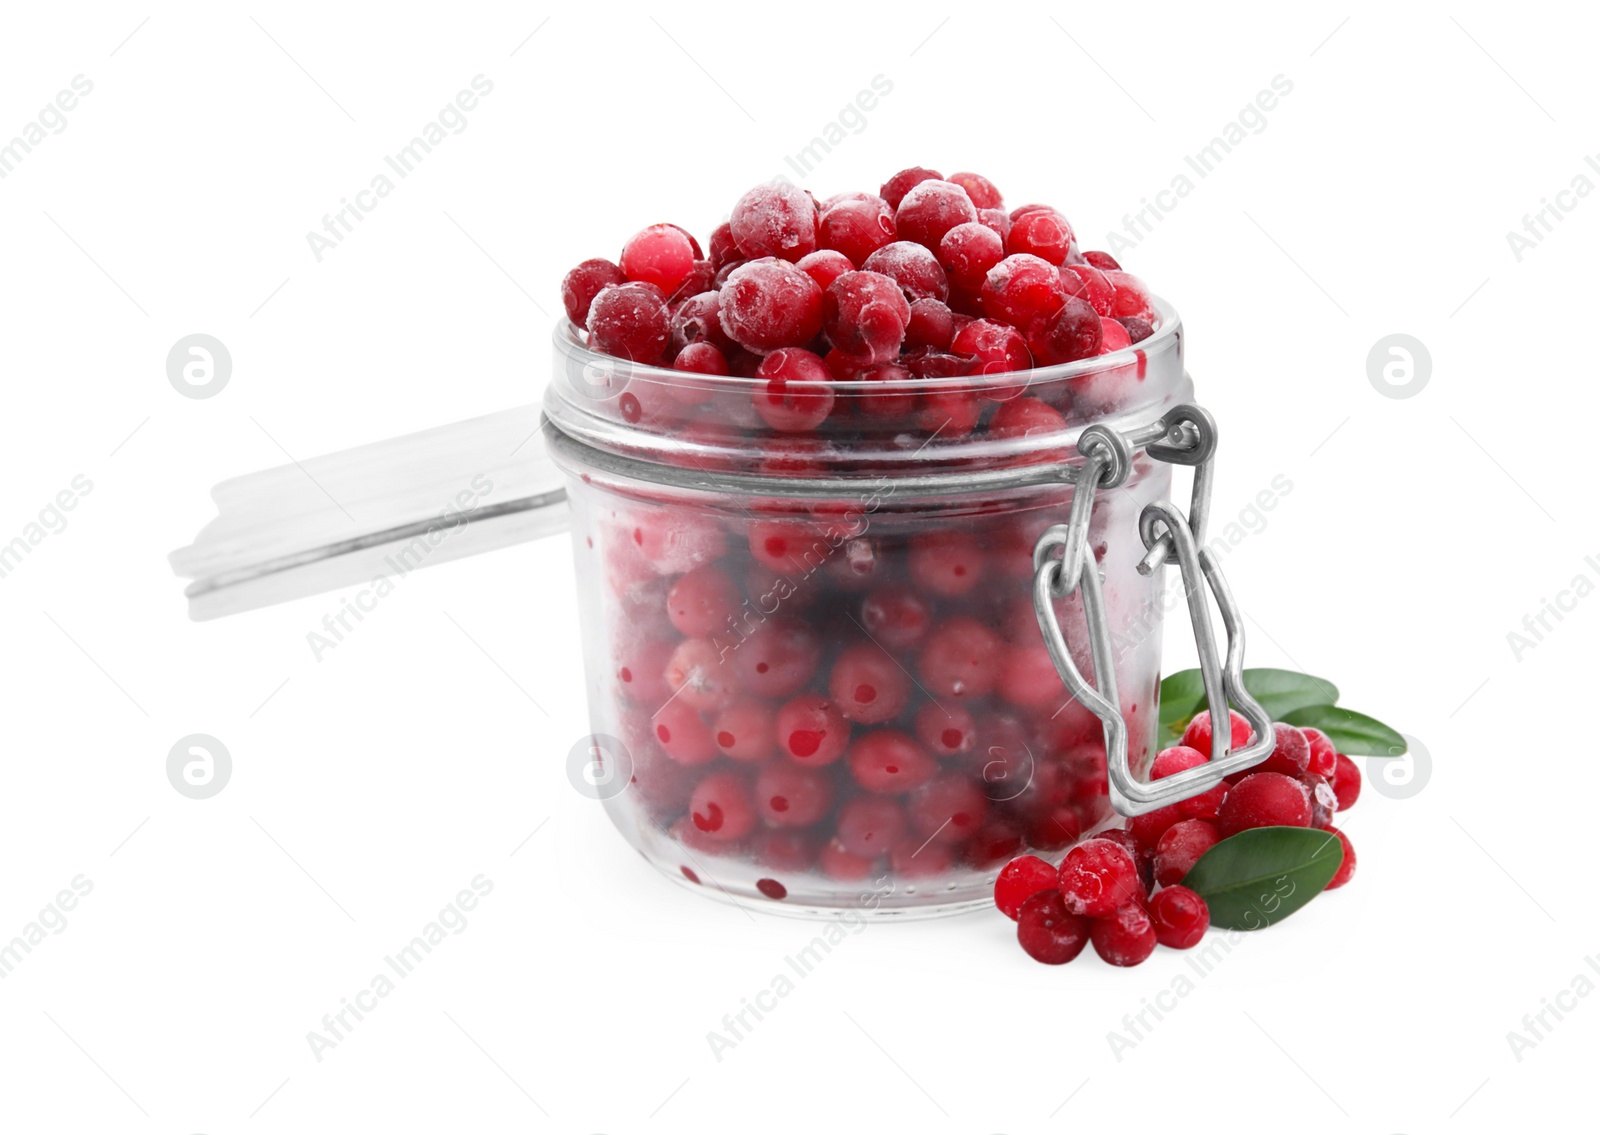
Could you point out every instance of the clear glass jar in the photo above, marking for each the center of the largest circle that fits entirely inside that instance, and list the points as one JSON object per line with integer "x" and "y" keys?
{"x": 813, "y": 662}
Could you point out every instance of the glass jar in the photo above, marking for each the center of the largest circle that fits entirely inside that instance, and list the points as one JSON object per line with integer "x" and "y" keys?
{"x": 814, "y": 665}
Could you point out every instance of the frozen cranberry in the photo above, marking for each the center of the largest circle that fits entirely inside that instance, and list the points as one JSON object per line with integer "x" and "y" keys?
{"x": 1138, "y": 329}
{"x": 1131, "y": 297}
{"x": 682, "y": 734}
{"x": 867, "y": 685}
{"x": 947, "y": 809}
{"x": 1101, "y": 260}
{"x": 948, "y": 413}
{"x": 1113, "y": 337}
{"x": 1177, "y": 759}
{"x": 797, "y": 395}
{"x": 1290, "y": 754}
{"x": 1028, "y": 678}
{"x": 642, "y": 670}
{"x": 685, "y": 833}
{"x": 1054, "y": 829}
{"x": 720, "y": 808}
{"x": 869, "y": 825}
{"x": 841, "y": 865}
{"x": 825, "y": 266}
{"x": 895, "y": 189}
{"x": 776, "y": 219}
{"x": 698, "y": 358}
{"x": 1069, "y": 333}
{"x": 1026, "y": 417}
{"x": 979, "y": 189}
{"x": 1180, "y": 848}
{"x": 1348, "y": 867}
{"x": 1043, "y": 232}
{"x": 1047, "y": 931}
{"x": 768, "y": 304}
{"x": 1198, "y": 733}
{"x": 888, "y": 761}
{"x": 961, "y": 659}
{"x": 1143, "y": 857}
{"x": 1097, "y": 877}
{"x": 1148, "y": 828}
{"x": 630, "y": 321}
{"x": 1264, "y": 799}
{"x": 702, "y": 601}
{"x": 865, "y": 314}
{"x": 791, "y": 797}
{"x": 996, "y": 219}
{"x": 1180, "y": 916}
{"x": 1346, "y": 781}
{"x": 811, "y": 730}
{"x": 947, "y": 563}
{"x": 698, "y": 677}
{"x": 857, "y": 227}
{"x": 784, "y": 849}
{"x": 995, "y": 842}
{"x": 913, "y": 267}
{"x": 698, "y": 319}
{"x": 745, "y": 731}
{"x": 787, "y": 546}
{"x": 995, "y": 350}
{"x": 917, "y": 858}
{"x": 946, "y": 731}
{"x": 1324, "y": 802}
{"x": 662, "y": 255}
{"x": 1021, "y": 289}
{"x": 585, "y": 282}
{"x": 724, "y": 249}
{"x": 896, "y": 617}
{"x": 1126, "y": 938}
{"x": 1323, "y": 759}
{"x": 931, "y": 326}
{"x": 1090, "y": 285}
{"x": 931, "y": 209}
{"x": 777, "y": 659}
{"x": 968, "y": 252}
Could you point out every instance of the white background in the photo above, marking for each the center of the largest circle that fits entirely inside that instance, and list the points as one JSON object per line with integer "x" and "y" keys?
{"x": 369, "y": 787}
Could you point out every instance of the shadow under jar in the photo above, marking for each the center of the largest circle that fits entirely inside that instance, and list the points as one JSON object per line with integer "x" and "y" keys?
{"x": 812, "y": 655}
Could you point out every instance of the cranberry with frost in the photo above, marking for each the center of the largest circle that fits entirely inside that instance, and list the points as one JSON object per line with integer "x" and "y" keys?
{"x": 1346, "y": 781}
{"x": 856, "y": 227}
{"x": 895, "y": 189}
{"x": 720, "y": 808}
{"x": 767, "y": 304}
{"x": 1097, "y": 877}
{"x": 1026, "y": 417}
{"x": 776, "y": 219}
{"x": 630, "y": 321}
{"x": 864, "y": 314}
{"x": 791, "y": 797}
{"x": 1054, "y": 829}
{"x": 1180, "y": 917}
{"x": 702, "y": 601}
{"x": 1131, "y": 298}
{"x": 996, "y": 219}
{"x": 930, "y": 209}
{"x": 1090, "y": 285}
{"x": 948, "y": 413}
{"x": 676, "y": 541}
{"x": 992, "y": 350}
{"x": 696, "y": 673}
{"x": 1069, "y": 333}
{"x": 745, "y": 731}
{"x": 1043, "y": 232}
{"x": 1198, "y": 733}
{"x": 825, "y": 266}
{"x": 911, "y": 266}
{"x": 797, "y": 395}
{"x": 995, "y": 842}
{"x": 915, "y": 858}
{"x": 841, "y": 865}
{"x": 1048, "y": 932}
{"x": 889, "y": 762}
{"x": 931, "y": 326}
{"x": 1179, "y": 758}
{"x": 1148, "y": 828}
{"x": 662, "y": 255}
{"x": 867, "y": 685}
{"x": 1020, "y": 289}
{"x": 698, "y": 358}
{"x": 1348, "y": 867}
{"x": 947, "y": 809}
{"x": 811, "y": 730}
{"x": 1019, "y": 881}
{"x": 784, "y": 849}
{"x": 968, "y": 252}
{"x": 777, "y": 659}
{"x": 1113, "y": 336}
{"x": 1264, "y": 799}
{"x": 1180, "y": 848}
{"x": 1291, "y": 752}
{"x": 786, "y": 547}
{"x": 1101, "y": 260}
{"x": 1126, "y": 938}
{"x": 1324, "y": 802}
{"x": 698, "y": 319}
{"x": 946, "y": 731}
{"x": 583, "y": 283}
{"x": 1138, "y": 329}
{"x": 869, "y": 825}
{"x": 678, "y": 728}
{"x": 980, "y": 190}
{"x": 1323, "y": 759}
{"x": 947, "y": 563}
{"x": 960, "y": 659}
{"x": 1142, "y": 856}
{"x": 897, "y": 617}
{"x": 722, "y": 248}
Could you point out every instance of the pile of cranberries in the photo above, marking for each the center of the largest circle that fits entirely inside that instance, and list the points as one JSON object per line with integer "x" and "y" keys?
{"x": 1122, "y": 890}
{"x": 929, "y": 278}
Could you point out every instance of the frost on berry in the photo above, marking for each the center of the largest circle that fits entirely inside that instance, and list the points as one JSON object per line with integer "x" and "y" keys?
{"x": 776, "y": 219}
{"x": 768, "y": 304}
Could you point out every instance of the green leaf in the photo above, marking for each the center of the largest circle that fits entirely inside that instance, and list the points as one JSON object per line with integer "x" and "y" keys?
{"x": 1282, "y": 692}
{"x": 1354, "y": 734}
{"x": 1264, "y": 875}
{"x": 1182, "y": 696}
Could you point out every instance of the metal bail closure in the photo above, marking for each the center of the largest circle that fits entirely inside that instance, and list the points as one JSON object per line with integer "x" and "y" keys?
{"x": 1162, "y": 526}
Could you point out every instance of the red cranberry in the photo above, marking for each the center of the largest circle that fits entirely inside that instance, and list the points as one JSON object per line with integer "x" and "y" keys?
{"x": 1028, "y": 678}
{"x": 916, "y": 858}
{"x": 979, "y": 189}
{"x": 1324, "y": 801}
{"x": 1148, "y": 828}
{"x": 888, "y": 761}
{"x": 1097, "y": 877}
{"x": 931, "y": 209}
{"x": 1348, "y": 867}
{"x": 947, "y": 809}
{"x": 784, "y": 849}
{"x": 1138, "y": 329}
{"x": 1090, "y": 285}
{"x": 811, "y": 730}
{"x": 768, "y": 304}
{"x": 931, "y": 326}
{"x": 698, "y": 677}
{"x": 1180, "y": 848}
{"x": 702, "y": 602}
{"x": 1055, "y": 829}
{"x": 776, "y": 219}
{"x": 961, "y": 659}
{"x": 948, "y": 413}
{"x": 724, "y": 249}
{"x": 787, "y": 546}
{"x": 1048, "y": 932}
{"x": 995, "y": 842}
{"x": 1020, "y": 289}
{"x": 630, "y": 321}
{"x": 1180, "y": 758}
{"x": 825, "y": 266}
{"x": 996, "y": 219}
{"x": 947, "y": 563}
{"x": 797, "y": 395}
{"x": 1114, "y": 337}
{"x": 1291, "y": 753}
{"x": 867, "y": 685}
{"x": 1026, "y": 417}
{"x": 1180, "y": 916}
{"x": 841, "y": 865}
{"x": 911, "y": 266}
{"x": 995, "y": 350}
{"x": 642, "y": 672}
{"x": 1125, "y": 938}
{"x": 945, "y": 731}
{"x": 857, "y": 227}
{"x": 778, "y": 659}
{"x": 968, "y": 252}
{"x": 682, "y": 734}
{"x": 869, "y": 825}
{"x": 1323, "y": 758}
{"x": 1132, "y": 298}
{"x": 897, "y": 617}
{"x": 1043, "y": 232}
{"x": 662, "y": 255}
{"x": 745, "y": 731}
{"x": 698, "y": 319}
{"x": 698, "y": 358}
{"x": 1142, "y": 856}
{"x": 1101, "y": 260}
{"x": 1069, "y": 333}
{"x": 1264, "y": 799}
{"x": 895, "y": 189}
{"x": 585, "y": 282}
{"x": 865, "y": 314}
{"x": 1198, "y": 733}
{"x": 1346, "y": 781}
{"x": 720, "y": 808}
{"x": 790, "y": 797}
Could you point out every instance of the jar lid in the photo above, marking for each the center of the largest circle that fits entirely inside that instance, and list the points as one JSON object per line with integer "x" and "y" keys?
{"x": 379, "y": 510}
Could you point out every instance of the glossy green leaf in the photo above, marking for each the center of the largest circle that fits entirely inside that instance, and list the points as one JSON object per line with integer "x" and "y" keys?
{"x": 1354, "y": 734}
{"x": 1262, "y": 876}
{"x": 1182, "y": 696}
{"x": 1282, "y": 692}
